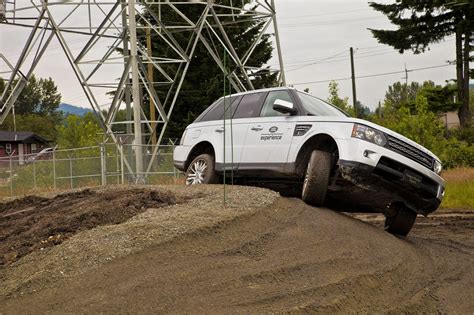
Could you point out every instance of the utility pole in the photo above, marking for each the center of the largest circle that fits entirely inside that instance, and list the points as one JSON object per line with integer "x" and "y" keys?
{"x": 150, "y": 80}
{"x": 406, "y": 84}
{"x": 14, "y": 118}
{"x": 354, "y": 95}
{"x": 406, "y": 75}
{"x": 137, "y": 126}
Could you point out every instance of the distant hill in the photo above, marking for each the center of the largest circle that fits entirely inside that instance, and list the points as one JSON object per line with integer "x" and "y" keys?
{"x": 69, "y": 109}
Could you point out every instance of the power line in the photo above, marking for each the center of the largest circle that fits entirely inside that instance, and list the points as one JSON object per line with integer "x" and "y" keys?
{"x": 376, "y": 51}
{"x": 324, "y": 14}
{"x": 374, "y": 75}
{"x": 318, "y": 61}
{"x": 345, "y": 58}
{"x": 323, "y": 23}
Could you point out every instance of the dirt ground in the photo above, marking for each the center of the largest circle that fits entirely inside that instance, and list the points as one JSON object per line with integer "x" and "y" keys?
{"x": 35, "y": 223}
{"x": 186, "y": 253}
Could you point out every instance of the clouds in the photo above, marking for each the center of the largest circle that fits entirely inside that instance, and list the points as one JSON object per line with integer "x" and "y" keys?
{"x": 315, "y": 37}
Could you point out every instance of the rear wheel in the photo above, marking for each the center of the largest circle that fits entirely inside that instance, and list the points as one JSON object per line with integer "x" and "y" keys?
{"x": 400, "y": 223}
{"x": 316, "y": 179}
{"x": 202, "y": 171}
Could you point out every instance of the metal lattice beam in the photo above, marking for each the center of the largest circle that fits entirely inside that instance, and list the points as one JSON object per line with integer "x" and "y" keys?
{"x": 110, "y": 30}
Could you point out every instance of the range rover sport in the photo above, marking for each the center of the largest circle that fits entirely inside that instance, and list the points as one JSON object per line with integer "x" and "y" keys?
{"x": 295, "y": 141}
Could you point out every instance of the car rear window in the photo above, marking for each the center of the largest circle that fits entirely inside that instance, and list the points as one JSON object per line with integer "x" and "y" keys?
{"x": 216, "y": 110}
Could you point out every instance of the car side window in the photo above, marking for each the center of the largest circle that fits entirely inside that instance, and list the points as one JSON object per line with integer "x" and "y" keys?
{"x": 231, "y": 106}
{"x": 267, "y": 110}
{"x": 250, "y": 105}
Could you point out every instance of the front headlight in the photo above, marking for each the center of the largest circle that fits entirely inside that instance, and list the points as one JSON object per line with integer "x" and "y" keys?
{"x": 369, "y": 134}
{"x": 437, "y": 167}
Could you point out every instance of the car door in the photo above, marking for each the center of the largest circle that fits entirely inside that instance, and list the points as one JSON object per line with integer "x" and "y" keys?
{"x": 269, "y": 136}
{"x": 226, "y": 135}
{"x": 235, "y": 130}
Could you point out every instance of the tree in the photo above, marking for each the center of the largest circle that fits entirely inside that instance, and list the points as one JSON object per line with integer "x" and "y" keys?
{"x": 80, "y": 131}
{"x": 38, "y": 97}
{"x": 45, "y": 126}
{"x": 421, "y": 23}
{"x": 35, "y": 108}
{"x": 362, "y": 111}
{"x": 204, "y": 80}
{"x": 399, "y": 94}
{"x": 336, "y": 100}
{"x": 440, "y": 98}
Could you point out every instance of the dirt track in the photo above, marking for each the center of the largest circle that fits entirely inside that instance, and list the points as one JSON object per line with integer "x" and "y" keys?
{"x": 283, "y": 256}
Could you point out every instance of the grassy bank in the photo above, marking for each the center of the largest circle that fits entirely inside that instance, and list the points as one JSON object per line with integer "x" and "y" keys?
{"x": 459, "y": 189}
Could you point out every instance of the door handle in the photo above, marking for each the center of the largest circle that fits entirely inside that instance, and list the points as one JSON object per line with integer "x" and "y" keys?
{"x": 257, "y": 128}
{"x": 219, "y": 130}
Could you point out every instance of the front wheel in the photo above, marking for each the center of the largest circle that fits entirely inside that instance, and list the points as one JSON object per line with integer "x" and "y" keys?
{"x": 202, "y": 171}
{"x": 400, "y": 223}
{"x": 316, "y": 180}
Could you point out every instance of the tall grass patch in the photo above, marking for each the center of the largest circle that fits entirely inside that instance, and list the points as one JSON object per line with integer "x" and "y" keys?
{"x": 459, "y": 189}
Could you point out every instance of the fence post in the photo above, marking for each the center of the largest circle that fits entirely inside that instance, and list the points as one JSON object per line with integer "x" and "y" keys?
{"x": 70, "y": 171}
{"x": 54, "y": 168}
{"x": 103, "y": 166}
{"x": 34, "y": 174}
{"x": 174, "y": 168}
{"x": 117, "y": 163}
{"x": 11, "y": 177}
{"x": 121, "y": 163}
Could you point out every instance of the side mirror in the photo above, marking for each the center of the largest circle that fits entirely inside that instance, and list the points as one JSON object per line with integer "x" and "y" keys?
{"x": 284, "y": 107}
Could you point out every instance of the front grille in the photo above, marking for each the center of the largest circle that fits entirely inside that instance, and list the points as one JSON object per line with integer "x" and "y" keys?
{"x": 410, "y": 152}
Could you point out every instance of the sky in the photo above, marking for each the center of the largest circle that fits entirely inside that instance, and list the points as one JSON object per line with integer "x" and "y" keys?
{"x": 315, "y": 37}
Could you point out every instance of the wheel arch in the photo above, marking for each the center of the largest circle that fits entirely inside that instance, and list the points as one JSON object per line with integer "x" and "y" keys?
{"x": 322, "y": 142}
{"x": 198, "y": 149}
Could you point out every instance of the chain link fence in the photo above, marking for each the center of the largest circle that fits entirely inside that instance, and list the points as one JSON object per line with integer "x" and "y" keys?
{"x": 104, "y": 164}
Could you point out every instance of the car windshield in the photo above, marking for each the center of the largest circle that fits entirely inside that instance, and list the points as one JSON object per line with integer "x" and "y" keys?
{"x": 316, "y": 107}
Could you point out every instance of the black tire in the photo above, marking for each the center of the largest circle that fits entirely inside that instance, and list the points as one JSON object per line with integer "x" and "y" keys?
{"x": 401, "y": 223}
{"x": 316, "y": 180}
{"x": 202, "y": 171}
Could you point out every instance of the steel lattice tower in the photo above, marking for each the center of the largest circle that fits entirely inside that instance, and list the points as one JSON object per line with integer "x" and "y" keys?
{"x": 109, "y": 29}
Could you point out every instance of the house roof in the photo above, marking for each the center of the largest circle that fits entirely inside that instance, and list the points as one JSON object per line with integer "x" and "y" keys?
{"x": 20, "y": 136}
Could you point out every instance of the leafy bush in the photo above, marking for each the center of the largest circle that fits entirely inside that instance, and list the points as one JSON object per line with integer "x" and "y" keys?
{"x": 456, "y": 153}
{"x": 424, "y": 127}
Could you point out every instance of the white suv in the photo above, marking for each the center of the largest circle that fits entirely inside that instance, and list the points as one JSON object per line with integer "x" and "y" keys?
{"x": 292, "y": 141}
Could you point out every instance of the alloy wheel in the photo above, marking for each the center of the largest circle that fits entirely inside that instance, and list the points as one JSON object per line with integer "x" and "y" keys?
{"x": 196, "y": 172}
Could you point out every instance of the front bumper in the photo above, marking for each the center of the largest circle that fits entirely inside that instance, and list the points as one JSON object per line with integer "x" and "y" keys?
{"x": 391, "y": 181}
{"x": 180, "y": 154}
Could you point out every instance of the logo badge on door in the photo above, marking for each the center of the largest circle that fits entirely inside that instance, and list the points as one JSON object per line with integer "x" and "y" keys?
{"x": 273, "y": 129}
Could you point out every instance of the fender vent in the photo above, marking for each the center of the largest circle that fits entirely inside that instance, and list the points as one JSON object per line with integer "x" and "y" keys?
{"x": 301, "y": 130}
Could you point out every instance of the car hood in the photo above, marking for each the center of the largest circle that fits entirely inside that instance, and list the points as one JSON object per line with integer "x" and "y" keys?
{"x": 372, "y": 125}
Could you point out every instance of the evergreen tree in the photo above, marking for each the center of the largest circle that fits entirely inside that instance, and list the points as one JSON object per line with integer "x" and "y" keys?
{"x": 421, "y": 23}
{"x": 440, "y": 98}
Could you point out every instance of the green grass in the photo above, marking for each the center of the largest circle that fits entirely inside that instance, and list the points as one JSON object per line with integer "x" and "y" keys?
{"x": 459, "y": 189}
